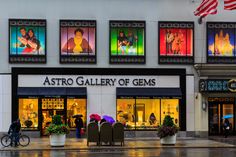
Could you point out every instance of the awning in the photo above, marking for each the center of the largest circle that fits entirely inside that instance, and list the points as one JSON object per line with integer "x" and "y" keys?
{"x": 149, "y": 92}
{"x": 54, "y": 91}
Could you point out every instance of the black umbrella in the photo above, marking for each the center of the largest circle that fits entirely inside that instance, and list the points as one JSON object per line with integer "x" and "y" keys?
{"x": 77, "y": 115}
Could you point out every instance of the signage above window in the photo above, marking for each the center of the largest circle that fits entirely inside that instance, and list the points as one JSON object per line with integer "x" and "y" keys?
{"x": 211, "y": 85}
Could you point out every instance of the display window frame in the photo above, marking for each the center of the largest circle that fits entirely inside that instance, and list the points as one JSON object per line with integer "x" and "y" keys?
{"x": 78, "y": 59}
{"x": 213, "y": 26}
{"x": 26, "y": 128}
{"x": 160, "y": 109}
{"x": 86, "y": 112}
{"x": 127, "y": 59}
{"x": 220, "y": 102}
{"x": 29, "y": 24}
{"x": 176, "y": 59}
{"x": 40, "y": 110}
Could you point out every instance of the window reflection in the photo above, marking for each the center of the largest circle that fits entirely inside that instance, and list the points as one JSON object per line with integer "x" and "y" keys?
{"x": 144, "y": 114}
{"x": 75, "y": 107}
{"x": 28, "y": 113}
{"x": 228, "y": 111}
{"x": 125, "y": 112}
{"x": 170, "y": 107}
{"x": 147, "y": 113}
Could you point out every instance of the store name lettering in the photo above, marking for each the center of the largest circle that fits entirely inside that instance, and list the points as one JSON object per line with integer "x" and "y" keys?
{"x": 81, "y": 81}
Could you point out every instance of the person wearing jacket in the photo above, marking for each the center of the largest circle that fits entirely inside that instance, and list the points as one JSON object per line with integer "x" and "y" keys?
{"x": 14, "y": 130}
{"x": 79, "y": 126}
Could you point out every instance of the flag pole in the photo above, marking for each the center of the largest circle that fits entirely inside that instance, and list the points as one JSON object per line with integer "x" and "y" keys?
{"x": 200, "y": 20}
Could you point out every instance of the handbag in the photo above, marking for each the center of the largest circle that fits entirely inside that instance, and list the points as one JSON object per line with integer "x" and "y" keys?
{"x": 82, "y": 132}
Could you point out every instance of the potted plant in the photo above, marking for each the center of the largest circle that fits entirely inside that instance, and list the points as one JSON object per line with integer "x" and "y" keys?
{"x": 167, "y": 131}
{"x": 57, "y": 131}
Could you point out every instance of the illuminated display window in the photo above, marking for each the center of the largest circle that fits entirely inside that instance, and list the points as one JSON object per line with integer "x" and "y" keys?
{"x": 221, "y": 42}
{"x": 53, "y": 103}
{"x": 125, "y": 112}
{"x": 50, "y": 108}
{"x": 77, "y": 41}
{"x": 146, "y": 114}
{"x": 127, "y": 42}
{"x": 220, "y": 108}
{"x": 176, "y": 42}
{"x": 170, "y": 107}
{"x": 76, "y": 107}
{"x": 28, "y": 113}
{"x": 27, "y": 41}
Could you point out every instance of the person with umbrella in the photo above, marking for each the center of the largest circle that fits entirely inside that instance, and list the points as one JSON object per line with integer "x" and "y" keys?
{"x": 108, "y": 119}
{"x": 95, "y": 118}
{"x": 226, "y": 127}
{"x": 79, "y": 125}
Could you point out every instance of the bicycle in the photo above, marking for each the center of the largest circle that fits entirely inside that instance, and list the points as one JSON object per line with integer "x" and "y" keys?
{"x": 9, "y": 139}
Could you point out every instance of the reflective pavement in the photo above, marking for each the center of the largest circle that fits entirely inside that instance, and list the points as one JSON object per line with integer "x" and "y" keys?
{"x": 163, "y": 152}
{"x": 42, "y": 144}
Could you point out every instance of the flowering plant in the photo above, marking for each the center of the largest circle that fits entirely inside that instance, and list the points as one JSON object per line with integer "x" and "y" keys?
{"x": 56, "y": 127}
{"x": 168, "y": 128}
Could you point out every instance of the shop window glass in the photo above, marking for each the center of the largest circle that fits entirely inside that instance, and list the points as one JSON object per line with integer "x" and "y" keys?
{"x": 214, "y": 117}
{"x": 147, "y": 113}
{"x": 125, "y": 112}
{"x": 28, "y": 113}
{"x": 170, "y": 107}
{"x": 75, "y": 107}
{"x": 53, "y": 103}
{"x": 50, "y": 108}
{"x": 228, "y": 111}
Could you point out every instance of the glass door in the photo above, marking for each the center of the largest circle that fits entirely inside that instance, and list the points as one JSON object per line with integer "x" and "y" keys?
{"x": 214, "y": 119}
{"x": 228, "y": 112}
{"x": 218, "y": 112}
{"x": 51, "y": 107}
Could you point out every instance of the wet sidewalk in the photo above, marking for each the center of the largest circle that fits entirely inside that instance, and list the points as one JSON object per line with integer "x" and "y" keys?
{"x": 140, "y": 143}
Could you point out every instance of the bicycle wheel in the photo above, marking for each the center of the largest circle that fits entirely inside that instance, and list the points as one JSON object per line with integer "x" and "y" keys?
{"x": 6, "y": 140}
{"x": 24, "y": 140}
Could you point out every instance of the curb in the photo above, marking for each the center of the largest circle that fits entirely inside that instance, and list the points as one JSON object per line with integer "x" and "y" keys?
{"x": 114, "y": 148}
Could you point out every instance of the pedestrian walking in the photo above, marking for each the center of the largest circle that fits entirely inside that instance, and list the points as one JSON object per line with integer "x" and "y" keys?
{"x": 226, "y": 128}
{"x": 79, "y": 126}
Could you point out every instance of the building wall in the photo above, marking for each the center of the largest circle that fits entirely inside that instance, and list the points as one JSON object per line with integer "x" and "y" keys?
{"x": 201, "y": 116}
{"x": 190, "y": 104}
{"x": 5, "y": 102}
{"x": 151, "y": 11}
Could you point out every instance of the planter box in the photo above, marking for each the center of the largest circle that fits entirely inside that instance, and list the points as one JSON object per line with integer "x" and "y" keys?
{"x": 171, "y": 140}
{"x": 57, "y": 140}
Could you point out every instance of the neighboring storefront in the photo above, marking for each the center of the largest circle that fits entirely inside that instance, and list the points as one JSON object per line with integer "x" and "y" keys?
{"x": 139, "y": 98}
{"x": 219, "y": 95}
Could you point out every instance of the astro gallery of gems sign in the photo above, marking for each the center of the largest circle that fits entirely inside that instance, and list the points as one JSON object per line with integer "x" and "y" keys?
{"x": 98, "y": 80}
{"x": 82, "y": 81}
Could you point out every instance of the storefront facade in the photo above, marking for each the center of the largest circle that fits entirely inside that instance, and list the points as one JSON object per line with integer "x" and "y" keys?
{"x": 219, "y": 95}
{"x": 139, "y": 98}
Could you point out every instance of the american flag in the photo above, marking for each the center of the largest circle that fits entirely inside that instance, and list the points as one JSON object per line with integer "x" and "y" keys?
{"x": 206, "y": 7}
{"x": 229, "y": 4}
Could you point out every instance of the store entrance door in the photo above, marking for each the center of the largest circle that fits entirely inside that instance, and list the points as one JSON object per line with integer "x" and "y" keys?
{"x": 51, "y": 107}
{"x": 218, "y": 112}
